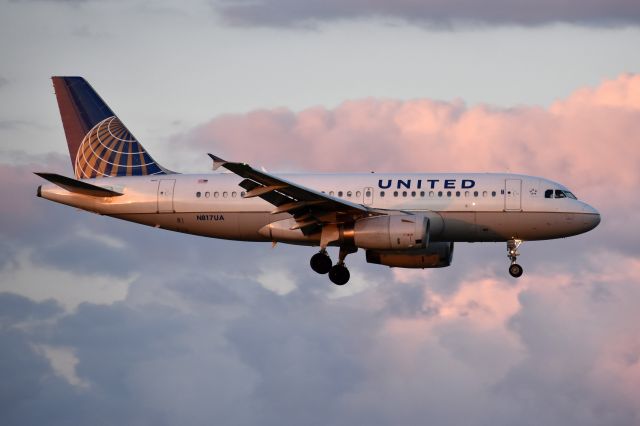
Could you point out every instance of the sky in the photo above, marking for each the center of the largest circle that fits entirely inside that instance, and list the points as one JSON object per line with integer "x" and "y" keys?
{"x": 108, "y": 322}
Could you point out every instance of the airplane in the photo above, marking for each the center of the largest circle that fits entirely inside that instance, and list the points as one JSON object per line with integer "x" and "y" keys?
{"x": 405, "y": 220}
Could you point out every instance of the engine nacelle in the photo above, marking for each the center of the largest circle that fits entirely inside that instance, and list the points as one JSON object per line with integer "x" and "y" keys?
{"x": 436, "y": 255}
{"x": 395, "y": 232}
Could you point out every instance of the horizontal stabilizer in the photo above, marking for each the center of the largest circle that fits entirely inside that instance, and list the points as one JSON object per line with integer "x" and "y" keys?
{"x": 78, "y": 186}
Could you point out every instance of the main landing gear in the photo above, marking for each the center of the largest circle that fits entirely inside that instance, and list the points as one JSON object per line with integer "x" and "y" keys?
{"x": 515, "y": 270}
{"x": 338, "y": 273}
{"x": 321, "y": 262}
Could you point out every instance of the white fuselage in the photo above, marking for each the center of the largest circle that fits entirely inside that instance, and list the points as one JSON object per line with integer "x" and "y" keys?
{"x": 462, "y": 207}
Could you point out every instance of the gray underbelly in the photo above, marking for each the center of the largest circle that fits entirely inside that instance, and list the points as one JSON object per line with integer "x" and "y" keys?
{"x": 502, "y": 226}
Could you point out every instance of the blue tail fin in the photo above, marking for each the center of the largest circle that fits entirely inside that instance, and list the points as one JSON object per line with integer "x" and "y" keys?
{"x": 99, "y": 144}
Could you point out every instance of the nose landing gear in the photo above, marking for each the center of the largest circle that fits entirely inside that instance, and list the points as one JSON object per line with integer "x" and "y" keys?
{"x": 515, "y": 270}
{"x": 338, "y": 273}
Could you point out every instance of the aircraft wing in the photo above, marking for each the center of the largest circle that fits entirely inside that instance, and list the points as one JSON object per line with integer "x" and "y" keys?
{"x": 310, "y": 208}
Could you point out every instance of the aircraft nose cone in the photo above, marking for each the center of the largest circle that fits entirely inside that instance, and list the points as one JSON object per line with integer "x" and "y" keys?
{"x": 592, "y": 217}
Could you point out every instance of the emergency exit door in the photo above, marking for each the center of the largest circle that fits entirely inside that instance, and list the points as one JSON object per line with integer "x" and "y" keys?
{"x": 165, "y": 195}
{"x": 512, "y": 194}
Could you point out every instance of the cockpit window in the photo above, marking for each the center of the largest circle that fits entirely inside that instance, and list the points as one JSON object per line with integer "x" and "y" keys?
{"x": 559, "y": 193}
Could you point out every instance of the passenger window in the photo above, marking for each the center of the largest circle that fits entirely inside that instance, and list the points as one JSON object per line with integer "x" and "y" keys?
{"x": 475, "y": 193}
{"x": 207, "y": 194}
{"x": 422, "y": 193}
{"x": 448, "y": 193}
{"x": 404, "y": 193}
{"x": 358, "y": 194}
{"x": 382, "y": 193}
{"x": 242, "y": 194}
{"x": 439, "y": 193}
{"x": 216, "y": 194}
{"x": 548, "y": 193}
{"x": 368, "y": 193}
{"x": 457, "y": 193}
{"x": 560, "y": 194}
{"x": 198, "y": 194}
{"x": 339, "y": 193}
{"x": 349, "y": 194}
{"x": 395, "y": 193}
{"x": 225, "y": 194}
{"x": 331, "y": 193}
{"x": 466, "y": 194}
{"x": 431, "y": 193}
{"x": 485, "y": 193}
{"x": 234, "y": 194}
{"x": 413, "y": 193}
{"x": 493, "y": 193}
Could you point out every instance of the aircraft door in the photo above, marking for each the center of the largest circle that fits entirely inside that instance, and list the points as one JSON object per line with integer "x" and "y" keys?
{"x": 368, "y": 196}
{"x": 165, "y": 195}
{"x": 512, "y": 194}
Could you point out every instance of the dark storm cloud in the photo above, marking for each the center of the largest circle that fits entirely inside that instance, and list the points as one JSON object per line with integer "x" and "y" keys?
{"x": 435, "y": 13}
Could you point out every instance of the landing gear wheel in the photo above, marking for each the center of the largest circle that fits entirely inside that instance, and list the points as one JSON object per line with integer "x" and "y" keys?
{"x": 515, "y": 270}
{"x": 339, "y": 275}
{"x": 321, "y": 263}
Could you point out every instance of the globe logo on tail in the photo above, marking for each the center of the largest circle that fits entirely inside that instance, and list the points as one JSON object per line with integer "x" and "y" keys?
{"x": 109, "y": 149}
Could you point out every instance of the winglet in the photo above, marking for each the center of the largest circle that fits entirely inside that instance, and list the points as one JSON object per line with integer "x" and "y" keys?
{"x": 217, "y": 161}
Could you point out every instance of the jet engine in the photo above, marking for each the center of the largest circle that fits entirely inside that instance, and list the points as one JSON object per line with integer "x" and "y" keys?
{"x": 436, "y": 255}
{"x": 394, "y": 232}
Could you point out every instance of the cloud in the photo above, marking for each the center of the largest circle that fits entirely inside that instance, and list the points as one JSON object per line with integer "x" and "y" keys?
{"x": 432, "y": 13}
{"x": 194, "y": 348}
{"x": 16, "y": 309}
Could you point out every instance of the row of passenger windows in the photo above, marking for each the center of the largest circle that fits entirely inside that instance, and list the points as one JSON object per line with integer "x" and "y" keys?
{"x": 217, "y": 194}
{"x": 550, "y": 193}
{"x": 420, "y": 193}
{"x": 349, "y": 194}
{"x": 432, "y": 194}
